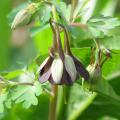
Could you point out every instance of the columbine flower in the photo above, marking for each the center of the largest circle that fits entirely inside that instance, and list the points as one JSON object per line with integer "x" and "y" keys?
{"x": 61, "y": 67}
{"x": 58, "y": 71}
{"x": 24, "y": 16}
{"x": 79, "y": 67}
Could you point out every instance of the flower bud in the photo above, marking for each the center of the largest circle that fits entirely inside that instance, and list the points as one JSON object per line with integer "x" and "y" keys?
{"x": 23, "y": 17}
{"x": 106, "y": 51}
{"x": 95, "y": 73}
{"x": 57, "y": 70}
{"x": 70, "y": 67}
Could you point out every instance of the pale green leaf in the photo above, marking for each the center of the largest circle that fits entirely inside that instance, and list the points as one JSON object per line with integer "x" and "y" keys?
{"x": 27, "y": 94}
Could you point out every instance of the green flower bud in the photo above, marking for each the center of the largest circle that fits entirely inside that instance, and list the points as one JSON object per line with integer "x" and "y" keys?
{"x": 95, "y": 73}
{"x": 70, "y": 67}
{"x": 106, "y": 51}
{"x": 57, "y": 70}
{"x": 24, "y": 16}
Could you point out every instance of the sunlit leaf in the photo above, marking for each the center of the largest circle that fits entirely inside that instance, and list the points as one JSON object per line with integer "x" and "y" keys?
{"x": 27, "y": 94}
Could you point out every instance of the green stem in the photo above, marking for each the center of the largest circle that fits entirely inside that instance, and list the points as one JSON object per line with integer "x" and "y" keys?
{"x": 53, "y": 100}
{"x": 53, "y": 103}
{"x": 97, "y": 52}
{"x": 96, "y": 44}
{"x": 64, "y": 95}
{"x": 15, "y": 83}
{"x": 81, "y": 107}
{"x": 74, "y": 3}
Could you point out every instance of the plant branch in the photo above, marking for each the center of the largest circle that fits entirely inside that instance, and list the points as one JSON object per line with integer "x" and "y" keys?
{"x": 74, "y": 3}
{"x": 54, "y": 91}
{"x": 15, "y": 83}
{"x": 75, "y": 24}
{"x": 53, "y": 103}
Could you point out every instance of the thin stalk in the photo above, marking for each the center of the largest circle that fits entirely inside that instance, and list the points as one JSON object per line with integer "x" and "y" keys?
{"x": 92, "y": 59}
{"x": 96, "y": 44}
{"x": 66, "y": 39}
{"x": 54, "y": 88}
{"x": 53, "y": 103}
{"x": 98, "y": 56}
{"x": 64, "y": 95}
{"x": 66, "y": 42}
{"x": 59, "y": 44}
{"x": 75, "y": 24}
{"x": 101, "y": 65}
{"x": 74, "y": 3}
{"x": 54, "y": 36}
{"x": 15, "y": 83}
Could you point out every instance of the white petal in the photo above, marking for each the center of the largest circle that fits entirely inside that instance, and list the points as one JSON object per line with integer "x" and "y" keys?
{"x": 43, "y": 64}
{"x": 57, "y": 70}
{"x": 70, "y": 67}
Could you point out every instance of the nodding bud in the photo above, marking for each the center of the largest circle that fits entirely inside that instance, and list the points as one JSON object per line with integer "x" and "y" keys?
{"x": 57, "y": 70}
{"x": 95, "y": 73}
{"x": 70, "y": 67}
{"x": 106, "y": 51}
{"x": 23, "y": 17}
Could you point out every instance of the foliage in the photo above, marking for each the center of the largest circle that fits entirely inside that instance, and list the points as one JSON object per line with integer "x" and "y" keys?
{"x": 19, "y": 83}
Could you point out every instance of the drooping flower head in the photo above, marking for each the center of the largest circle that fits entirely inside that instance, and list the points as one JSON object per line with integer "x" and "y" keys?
{"x": 61, "y": 67}
{"x": 97, "y": 61}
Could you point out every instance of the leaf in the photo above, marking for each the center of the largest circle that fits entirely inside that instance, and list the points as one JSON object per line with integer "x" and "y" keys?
{"x": 102, "y": 103}
{"x": 40, "y": 59}
{"x": 44, "y": 13}
{"x": 35, "y": 30}
{"x": 65, "y": 10}
{"x": 3, "y": 97}
{"x": 112, "y": 65}
{"x": 83, "y": 54}
{"x": 112, "y": 42}
{"x": 79, "y": 100}
{"x": 27, "y": 94}
{"x": 12, "y": 74}
{"x": 43, "y": 40}
{"x": 104, "y": 88}
{"x": 102, "y": 24}
{"x": 80, "y": 9}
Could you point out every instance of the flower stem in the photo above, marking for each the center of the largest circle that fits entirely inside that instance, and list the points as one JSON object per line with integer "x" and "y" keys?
{"x": 53, "y": 103}
{"x": 15, "y": 83}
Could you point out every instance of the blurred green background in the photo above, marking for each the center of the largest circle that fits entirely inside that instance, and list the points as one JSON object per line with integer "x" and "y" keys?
{"x": 18, "y": 48}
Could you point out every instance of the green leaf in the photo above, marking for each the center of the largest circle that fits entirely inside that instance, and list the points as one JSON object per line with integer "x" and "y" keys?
{"x": 3, "y": 97}
{"x": 40, "y": 59}
{"x": 43, "y": 40}
{"x": 35, "y": 30}
{"x": 65, "y": 10}
{"x": 98, "y": 25}
{"x": 112, "y": 66}
{"x": 111, "y": 42}
{"x": 13, "y": 74}
{"x": 102, "y": 103}
{"x": 44, "y": 13}
{"x": 79, "y": 100}
{"x": 104, "y": 88}
{"x": 27, "y": 94}
{"x": 83, "y": 54}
